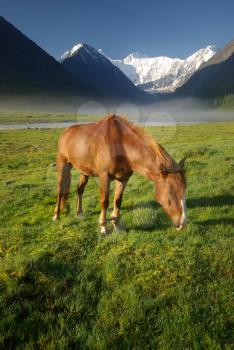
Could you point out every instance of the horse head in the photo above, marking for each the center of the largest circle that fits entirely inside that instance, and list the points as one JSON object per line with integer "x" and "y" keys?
{"x": 170, "y": 193}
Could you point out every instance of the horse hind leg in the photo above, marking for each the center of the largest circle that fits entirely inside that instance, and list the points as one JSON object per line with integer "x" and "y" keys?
{"x": 64, "y": 181}
{"x": 80, "y": 190}
{"x": 104, "y": 200}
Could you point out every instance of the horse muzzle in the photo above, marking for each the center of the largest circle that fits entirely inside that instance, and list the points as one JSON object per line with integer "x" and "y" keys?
{"x": 181, "y": 226}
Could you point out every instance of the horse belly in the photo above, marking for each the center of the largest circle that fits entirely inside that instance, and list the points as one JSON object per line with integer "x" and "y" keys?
{"x": 121, "y": 175}
{"x": 85, "y": 170}
{"x": 120, "y": 170}
{"x": 82, "y": 160}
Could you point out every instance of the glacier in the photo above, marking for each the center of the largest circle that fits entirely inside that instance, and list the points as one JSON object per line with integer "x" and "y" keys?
{"x": 162, "y": 74}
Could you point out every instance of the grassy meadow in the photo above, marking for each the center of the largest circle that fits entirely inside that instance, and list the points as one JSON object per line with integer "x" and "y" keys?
{"x": 14, "y": 117}
{"x": 147, "y": 286}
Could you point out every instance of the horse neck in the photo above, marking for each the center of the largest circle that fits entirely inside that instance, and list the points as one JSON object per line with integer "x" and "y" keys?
{"x": 149, "y": 160}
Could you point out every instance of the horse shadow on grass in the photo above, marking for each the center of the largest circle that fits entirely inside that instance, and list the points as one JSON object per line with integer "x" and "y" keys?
{"x": 128, "y": 220}
{"x": 148, "y": 223}
{"x": 160, "y": 220}
{"x": 212, "y": 222}
{"x": 202, "y": 202}
{"x": 214, "y": 201}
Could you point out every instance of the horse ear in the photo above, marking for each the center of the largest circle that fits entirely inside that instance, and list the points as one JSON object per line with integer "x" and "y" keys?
{"x": 163, "y": 169}
{"x": 181, "y": 163}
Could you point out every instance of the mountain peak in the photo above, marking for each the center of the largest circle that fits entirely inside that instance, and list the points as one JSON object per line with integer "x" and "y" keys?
{"x": 206, "y": 53}
{"x": 83, "y": 48}
{"x": 222, "y": 54}
{"x": 161, "y": 74}
{"x": 214, "y": 78}
{"x": 134, "y": 55}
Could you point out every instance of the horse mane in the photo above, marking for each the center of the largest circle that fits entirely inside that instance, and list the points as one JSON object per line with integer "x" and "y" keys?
{"x": 159, "y": 151}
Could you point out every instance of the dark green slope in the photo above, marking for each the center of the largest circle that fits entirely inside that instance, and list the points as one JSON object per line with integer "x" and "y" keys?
{"x": 27, "y": 69}
{"x": 214, "y": 79}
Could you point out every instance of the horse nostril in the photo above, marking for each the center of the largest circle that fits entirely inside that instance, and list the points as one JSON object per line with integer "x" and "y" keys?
{"x": 181, "y": 226}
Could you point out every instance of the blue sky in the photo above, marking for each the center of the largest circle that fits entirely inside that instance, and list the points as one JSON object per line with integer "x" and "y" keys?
{"x": 151, "y": 27}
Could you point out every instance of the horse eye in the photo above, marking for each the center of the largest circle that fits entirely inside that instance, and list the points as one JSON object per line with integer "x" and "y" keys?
{"x": 171, "y": 192}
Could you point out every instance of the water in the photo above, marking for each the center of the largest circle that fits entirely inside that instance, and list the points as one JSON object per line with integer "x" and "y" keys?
{"x": 165, "y": 120}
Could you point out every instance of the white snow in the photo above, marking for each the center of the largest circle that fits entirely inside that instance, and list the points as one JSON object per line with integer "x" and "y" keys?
{"x": 162, "y": 73}
{"x": 72, "y": 51}
{"x": 90, "y": 51}
{"x": 76, "y": 48}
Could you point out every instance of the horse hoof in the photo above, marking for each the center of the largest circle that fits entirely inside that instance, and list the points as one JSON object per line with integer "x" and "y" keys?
{"x": 104, "y": 231}
{"x": 55, "y": 217}
{"x": 80, "y": 216}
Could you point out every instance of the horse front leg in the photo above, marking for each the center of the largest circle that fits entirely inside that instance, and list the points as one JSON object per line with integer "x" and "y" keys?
{"x": 119, "y": 189}
{"x": 104, "y": 200}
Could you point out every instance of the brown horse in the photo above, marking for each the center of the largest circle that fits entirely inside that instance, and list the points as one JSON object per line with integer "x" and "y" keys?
{"x": 113, "y": 149}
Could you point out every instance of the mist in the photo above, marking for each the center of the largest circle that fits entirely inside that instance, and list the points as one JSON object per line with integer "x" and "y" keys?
{"x": 174, "y": 111}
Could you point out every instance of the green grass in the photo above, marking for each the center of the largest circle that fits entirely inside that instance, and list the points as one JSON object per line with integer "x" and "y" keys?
{"x": 147, "y": 287}
{"x": 12, "y": 117}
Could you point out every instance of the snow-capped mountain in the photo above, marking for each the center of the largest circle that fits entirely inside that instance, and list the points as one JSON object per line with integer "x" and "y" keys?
{"x": 83, "y": 49}
{"x": 96, "y": 70}
{"x": 162, "y": 74}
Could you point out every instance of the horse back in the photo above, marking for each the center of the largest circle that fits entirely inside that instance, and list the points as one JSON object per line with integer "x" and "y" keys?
{"x": 96, "y": 147}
